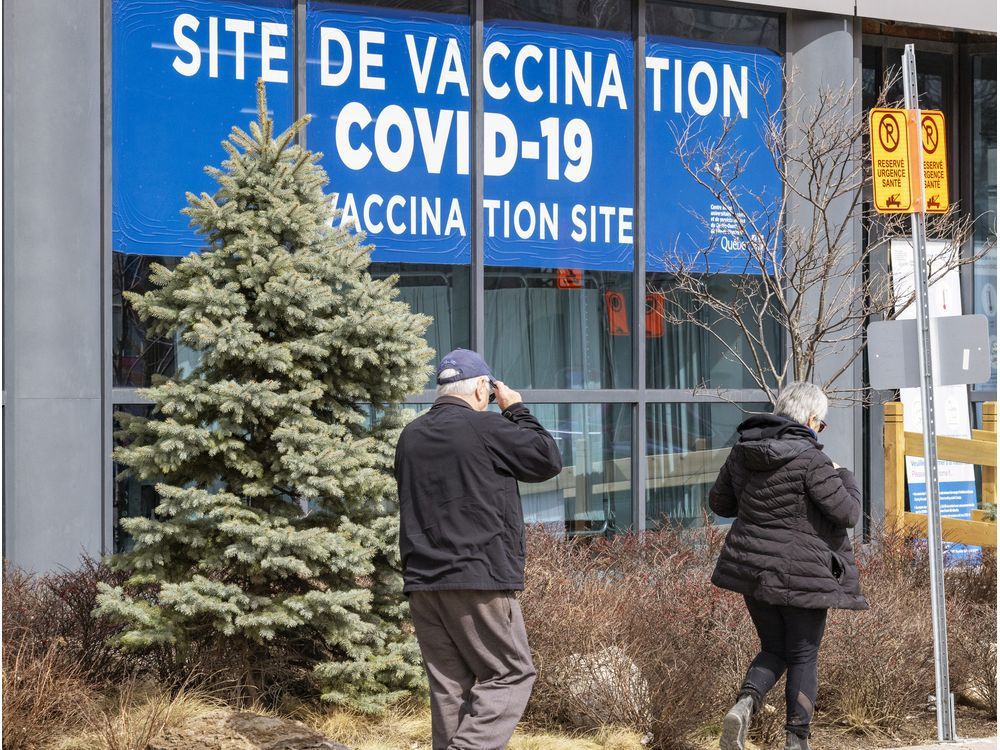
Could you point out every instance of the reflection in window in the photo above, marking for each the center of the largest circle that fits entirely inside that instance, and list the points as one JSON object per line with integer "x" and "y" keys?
{"x": 131, "y": 497}
{"x": 688, "y": 356}
{"x": 551, "y": 328}
{"x": 727, "y": 26}
{"x": 136, "y": 357}
{"x": 984, "y": 193}
{"x": 686, "y": 445}
{"x": 442, "y": 292}
{"x": 609, "y": 15}
{"x": 934, "y": 78}
{"x": 593, "y": 494}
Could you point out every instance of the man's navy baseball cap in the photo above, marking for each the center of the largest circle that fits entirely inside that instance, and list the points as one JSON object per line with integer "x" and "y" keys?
{"x": 462, "y": 364}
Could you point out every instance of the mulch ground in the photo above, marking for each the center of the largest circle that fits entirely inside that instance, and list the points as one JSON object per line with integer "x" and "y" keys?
{"x": 922, "y": 728}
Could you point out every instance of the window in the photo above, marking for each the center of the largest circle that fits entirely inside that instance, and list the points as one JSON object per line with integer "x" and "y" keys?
{"x": 440, "y": 291}
{"x": 593, "y": 493}
{"x": 686, "y": 445}
{"x": 136, "y": 356}
{"x": 546, "y": 328}
{"x": 558, "y": 193}
{"x": 132, "y": 497}
{"x": 397, "y": 149}
{"x": 717, "y": 25}
{"x": 984, "y": 194}
{"x": 690, "y": 357}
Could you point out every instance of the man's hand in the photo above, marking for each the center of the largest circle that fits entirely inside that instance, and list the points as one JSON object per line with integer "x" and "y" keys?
{"x": 505, "y": 396}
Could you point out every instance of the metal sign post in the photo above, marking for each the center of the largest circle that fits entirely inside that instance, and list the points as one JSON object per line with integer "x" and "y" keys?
{"x": 945, "y": 704}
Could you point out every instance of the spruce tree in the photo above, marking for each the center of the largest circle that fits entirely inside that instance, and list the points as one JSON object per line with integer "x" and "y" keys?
{"x": 276, "y": 529}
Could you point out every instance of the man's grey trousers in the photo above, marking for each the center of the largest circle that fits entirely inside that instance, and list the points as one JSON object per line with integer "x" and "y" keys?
{"x": 475, "y": 650}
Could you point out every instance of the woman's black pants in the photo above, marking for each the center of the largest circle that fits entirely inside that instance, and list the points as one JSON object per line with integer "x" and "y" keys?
{"x": 789, "y": 640}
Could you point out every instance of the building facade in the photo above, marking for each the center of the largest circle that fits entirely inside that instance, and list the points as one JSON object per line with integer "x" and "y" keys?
{"x": 556, "y": 121}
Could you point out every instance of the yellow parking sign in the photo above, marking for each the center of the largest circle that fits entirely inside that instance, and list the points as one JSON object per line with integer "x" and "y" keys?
{"x": 892, "y": 166}
{"x": 933, "y": 148}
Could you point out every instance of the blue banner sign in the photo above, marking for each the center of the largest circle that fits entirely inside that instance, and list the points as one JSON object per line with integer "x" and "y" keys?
{"x": 558, "y": 147}
{"x": 389, "y": 90}
{"x": 698, "y": 93}
{"x": 182, "y": 74}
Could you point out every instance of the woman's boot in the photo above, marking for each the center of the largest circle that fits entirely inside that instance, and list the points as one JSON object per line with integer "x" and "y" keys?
{"x": 736, "y": 723}
{"x": 795, "y": 742}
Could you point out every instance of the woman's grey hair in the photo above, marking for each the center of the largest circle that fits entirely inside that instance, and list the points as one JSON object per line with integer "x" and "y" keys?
{"x": 799, "y": 401}
{"x": 460, "y": 387}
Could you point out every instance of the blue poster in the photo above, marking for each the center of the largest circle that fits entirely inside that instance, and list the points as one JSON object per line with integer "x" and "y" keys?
{"x": 389, "y": 91}
{"x": 958, "y": 500}
{"x": 696, "y": 92}
{"x": 183, "y": 73}
{"x": 389, "y": 94}
{"x": 558, "y": 147}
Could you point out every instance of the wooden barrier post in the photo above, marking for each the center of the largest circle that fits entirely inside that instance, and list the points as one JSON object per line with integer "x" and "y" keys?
{"x": 990, "y": 472}
{"x": 893, "y": 445}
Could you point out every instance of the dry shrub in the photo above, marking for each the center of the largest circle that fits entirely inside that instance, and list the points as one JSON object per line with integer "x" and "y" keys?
{"x": 43, "y": 697}
{"x": 630, "y": 631}
{"x": 626, "y": 631}
{"x": 55, "y": 611}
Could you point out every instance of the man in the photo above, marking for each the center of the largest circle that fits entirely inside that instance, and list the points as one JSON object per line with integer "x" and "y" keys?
{"x": 461, "y": 539}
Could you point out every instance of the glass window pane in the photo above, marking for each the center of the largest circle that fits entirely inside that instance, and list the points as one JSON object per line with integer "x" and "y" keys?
{"x": 722, "y": 25}
{"x": 686, "y": 445}
{"x": 442, "y": 292}
{"x": 558, "y": 195}
{"x": 135, "y": 356}
{"x": 549, "y": 329}
{"x": 984, "y": 194}
{"x": 593, "y": 494}
{"x": 871, "y": 75}
{"x": 131, "y": 497}
{"x": 934, "y": 78}
{"x": 393, "y": 126}
{"x": 613, "y": 15}
{"x": 717, "y": 216}
{"x": 716, "y": 353}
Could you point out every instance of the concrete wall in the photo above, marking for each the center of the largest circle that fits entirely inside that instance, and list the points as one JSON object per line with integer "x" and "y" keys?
{"x": 53, "y": 410}
{"x": 824, "y": 51}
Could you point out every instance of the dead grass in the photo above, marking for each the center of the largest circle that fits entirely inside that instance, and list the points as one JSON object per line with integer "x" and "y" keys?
{"x": 407, "y": 726}
{"x": 43, "y": 697}
{"x": 133, "y": 716}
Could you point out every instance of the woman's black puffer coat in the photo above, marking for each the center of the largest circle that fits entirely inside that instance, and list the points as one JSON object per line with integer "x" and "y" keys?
{"x": 788, "y": 544}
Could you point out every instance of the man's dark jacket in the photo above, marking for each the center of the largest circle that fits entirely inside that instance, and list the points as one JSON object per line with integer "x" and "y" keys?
{"x": 789, "y": 543}
{"x": 460, "y": 520}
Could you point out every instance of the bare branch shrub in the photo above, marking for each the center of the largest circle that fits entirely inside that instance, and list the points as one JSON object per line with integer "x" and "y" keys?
{"x": 802, "y": 272}
{"x": 630, "y": 631}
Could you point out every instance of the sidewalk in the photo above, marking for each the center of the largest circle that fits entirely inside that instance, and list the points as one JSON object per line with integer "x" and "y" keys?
{"x": 987, "y": 744}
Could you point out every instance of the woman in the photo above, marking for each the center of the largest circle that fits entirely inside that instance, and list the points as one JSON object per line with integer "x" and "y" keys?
{"x": 787, "y": 552}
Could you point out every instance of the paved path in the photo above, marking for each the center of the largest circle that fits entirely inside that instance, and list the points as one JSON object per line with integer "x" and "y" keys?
{"x": 987, "y": 744}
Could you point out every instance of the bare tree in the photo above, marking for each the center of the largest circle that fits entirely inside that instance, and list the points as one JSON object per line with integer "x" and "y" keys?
{"x": 803, "y": 268}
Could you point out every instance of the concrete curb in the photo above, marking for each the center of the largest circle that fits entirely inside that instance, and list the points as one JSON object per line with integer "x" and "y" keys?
{"x": 984, "y": 744}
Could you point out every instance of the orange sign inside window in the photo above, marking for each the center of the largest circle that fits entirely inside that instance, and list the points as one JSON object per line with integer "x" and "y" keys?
{"x": 655, "y": 306}
{"x": 614, "y": 305}
{"x": 569, "y": 278}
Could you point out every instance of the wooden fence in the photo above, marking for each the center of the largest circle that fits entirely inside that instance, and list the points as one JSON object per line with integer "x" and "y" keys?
{"x": 981, "y": 450}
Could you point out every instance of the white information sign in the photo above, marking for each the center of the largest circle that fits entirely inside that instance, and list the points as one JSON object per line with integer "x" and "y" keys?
{"x": 958, "y": 481}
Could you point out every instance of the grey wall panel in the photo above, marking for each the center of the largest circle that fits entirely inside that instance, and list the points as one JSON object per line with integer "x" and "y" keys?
{"x": 822, "y": 53}
{"x": 52, "y": 281}
{"x": 55, "y": 516}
